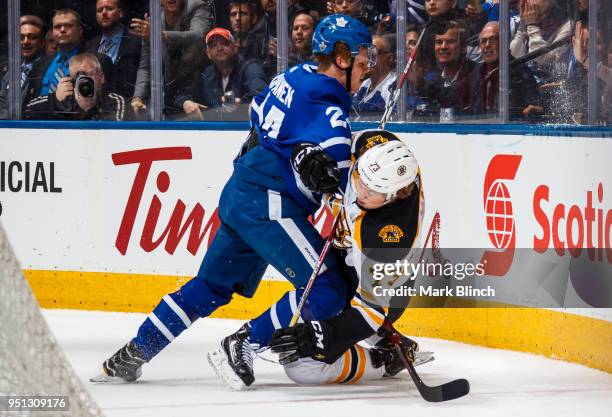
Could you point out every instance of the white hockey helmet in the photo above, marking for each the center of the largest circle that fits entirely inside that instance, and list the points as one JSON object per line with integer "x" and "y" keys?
{"x": 387, "y": 168}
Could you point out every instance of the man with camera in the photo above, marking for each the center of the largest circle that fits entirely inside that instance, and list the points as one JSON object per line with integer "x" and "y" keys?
{"x": 79, "y": 96}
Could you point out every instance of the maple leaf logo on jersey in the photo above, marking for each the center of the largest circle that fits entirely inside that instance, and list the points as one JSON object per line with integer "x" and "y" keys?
{"x": 322, "y": 45}
{"x": 390, "y": 234}
{"x": 341, "y": 21}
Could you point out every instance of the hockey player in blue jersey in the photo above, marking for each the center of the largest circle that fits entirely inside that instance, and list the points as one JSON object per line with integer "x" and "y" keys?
{"x": 299, "y": 148}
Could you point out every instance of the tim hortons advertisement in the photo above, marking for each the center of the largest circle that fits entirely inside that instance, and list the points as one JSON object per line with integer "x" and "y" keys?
{"x": 531, "y": 215}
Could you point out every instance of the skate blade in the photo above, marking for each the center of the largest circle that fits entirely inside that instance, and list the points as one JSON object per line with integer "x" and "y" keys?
{"x": 105, "y": 379}
{"x": 421, "y": 358}
{"x": 218, "y": 361}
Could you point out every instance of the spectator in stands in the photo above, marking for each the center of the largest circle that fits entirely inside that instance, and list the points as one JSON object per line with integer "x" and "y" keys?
{"x": 353, "y": 8}
{"x": 302, "y": 29}
{"x": 269, "y": 14}
{"x": 48, "y": 70}
{"x": 440, "y": 12}
{"x": 31, "y": 41}
{"x": 376, "y": 91}
{"x": 524, "y": 100}
{"x": 115, "y": 41}
{"x": 250, "y": 30}
{"x": 31, "y": 30}
{"x": 50, "y": 45}
{"x": 542, "y": 22}
{"x": 184, "y": 25}
{"x": 227, "y": 73}
{"x": 79, "y": 96}
{"x": 415, "y": 74}
{"x": 268, "y": 19}
{"x": 448, "y": 86}
{"x": 489, "y": 11}
{"x": 412, "y": 37}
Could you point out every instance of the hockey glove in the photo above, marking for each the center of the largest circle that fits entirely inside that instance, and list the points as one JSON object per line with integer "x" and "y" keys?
{"x": 317, "y": 170}
{"x": 309, "y": 339}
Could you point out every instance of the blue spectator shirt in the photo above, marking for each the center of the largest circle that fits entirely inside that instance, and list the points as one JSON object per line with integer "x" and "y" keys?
{"x": 299, "y": 106}
{"x": 46, "y": 82}
{"x": 375, "y": 100}
{"x": 112, "y": 50}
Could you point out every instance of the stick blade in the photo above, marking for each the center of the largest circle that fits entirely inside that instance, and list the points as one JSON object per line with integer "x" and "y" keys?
{"x": 446, "y": 392}
{"x": 455, "y": 389}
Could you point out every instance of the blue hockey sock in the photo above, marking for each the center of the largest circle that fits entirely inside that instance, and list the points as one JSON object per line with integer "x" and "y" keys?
{"x": 175, "y": 313}
{"x": 276, "y": 317}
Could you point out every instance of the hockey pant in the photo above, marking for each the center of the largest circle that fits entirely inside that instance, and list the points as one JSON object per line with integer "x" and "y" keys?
{"x": 259, "y": 227}
{"x": 354, "y": 365}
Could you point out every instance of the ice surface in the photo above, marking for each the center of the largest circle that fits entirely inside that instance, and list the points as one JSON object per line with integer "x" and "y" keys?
{"x": 179, "y": 382}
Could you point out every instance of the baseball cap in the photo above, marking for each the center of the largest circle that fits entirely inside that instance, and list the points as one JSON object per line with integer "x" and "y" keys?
{"x": 224, "y": 33}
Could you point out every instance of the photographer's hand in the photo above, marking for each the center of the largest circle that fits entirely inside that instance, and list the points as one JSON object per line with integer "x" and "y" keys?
{"x": 65, "y": 89}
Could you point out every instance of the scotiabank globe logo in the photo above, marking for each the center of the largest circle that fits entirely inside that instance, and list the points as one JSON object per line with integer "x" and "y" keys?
{"x": 498, "y": 212}
{"x": 498, "y": 208}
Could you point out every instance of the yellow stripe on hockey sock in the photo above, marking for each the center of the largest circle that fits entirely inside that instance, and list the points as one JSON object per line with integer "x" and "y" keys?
{"x": 345, "y": 369}
{"x": 361, "y": 364}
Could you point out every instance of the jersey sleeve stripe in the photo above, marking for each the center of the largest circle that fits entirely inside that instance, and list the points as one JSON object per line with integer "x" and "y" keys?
{"x": 335, "y": 141}
{"x": 344, "y": 164}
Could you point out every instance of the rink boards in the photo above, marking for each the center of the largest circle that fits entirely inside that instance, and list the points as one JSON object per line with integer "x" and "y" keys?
{"x": 113, "y": 220}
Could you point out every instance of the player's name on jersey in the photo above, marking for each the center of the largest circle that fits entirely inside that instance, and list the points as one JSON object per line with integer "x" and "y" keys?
{"x": 429, "y": 291}
{"x": 282, "y": 90}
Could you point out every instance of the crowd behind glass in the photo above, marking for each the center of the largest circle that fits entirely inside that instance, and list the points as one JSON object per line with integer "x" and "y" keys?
{"x": 91, "y": 60}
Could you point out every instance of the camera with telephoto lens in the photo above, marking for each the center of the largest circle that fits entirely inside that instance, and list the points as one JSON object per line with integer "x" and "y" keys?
{"x": 85, "y": 85}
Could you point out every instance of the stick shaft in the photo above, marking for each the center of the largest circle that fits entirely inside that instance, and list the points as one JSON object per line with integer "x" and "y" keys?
{"x": 315, "y": 271}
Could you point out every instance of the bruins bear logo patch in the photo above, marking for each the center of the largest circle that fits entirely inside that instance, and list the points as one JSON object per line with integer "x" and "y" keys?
{"x": 375, "y": 140}
{"x": 391, "y": 234}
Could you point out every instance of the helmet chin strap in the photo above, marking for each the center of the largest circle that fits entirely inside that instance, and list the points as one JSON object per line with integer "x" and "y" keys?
{"x": 349, "y": 72}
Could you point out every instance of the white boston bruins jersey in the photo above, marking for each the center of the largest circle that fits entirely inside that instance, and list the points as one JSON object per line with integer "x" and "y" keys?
{"x": 361, "y": 232}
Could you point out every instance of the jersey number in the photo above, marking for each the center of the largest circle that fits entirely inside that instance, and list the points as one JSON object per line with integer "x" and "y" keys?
{"x": 273, "y": 121}
{"x": 335, "y": 119}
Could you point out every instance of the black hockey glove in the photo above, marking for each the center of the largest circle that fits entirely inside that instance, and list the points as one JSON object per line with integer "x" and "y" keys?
{"x": 317, "y": 170}
{"x": 309, "y": 339}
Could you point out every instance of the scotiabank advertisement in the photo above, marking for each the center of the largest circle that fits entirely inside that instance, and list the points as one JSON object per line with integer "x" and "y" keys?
{"x": 531, "y": 215}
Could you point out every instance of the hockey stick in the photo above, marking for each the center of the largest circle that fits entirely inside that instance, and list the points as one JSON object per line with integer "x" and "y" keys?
{"x": 398, "y": 88}
{"x": 315, "y": 271}
{"x": 445, "y": 392}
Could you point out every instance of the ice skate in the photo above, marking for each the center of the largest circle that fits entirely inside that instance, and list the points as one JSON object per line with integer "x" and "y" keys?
{"x": 233, "y": 361}
{"x": 384, "y": 353}
{"x": 123, "y": 367}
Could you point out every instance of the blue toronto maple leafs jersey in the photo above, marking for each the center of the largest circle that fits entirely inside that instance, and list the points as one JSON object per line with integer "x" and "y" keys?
{"x": 300, "y": 106}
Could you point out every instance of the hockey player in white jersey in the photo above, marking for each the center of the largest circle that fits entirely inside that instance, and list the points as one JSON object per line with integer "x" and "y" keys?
{"x": 383, "y": 208}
